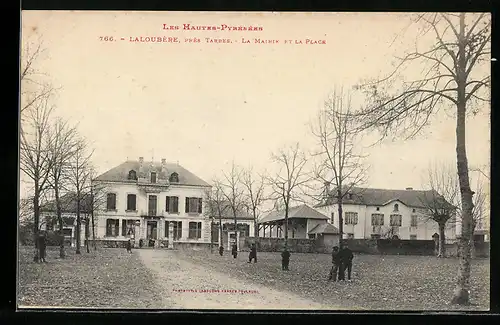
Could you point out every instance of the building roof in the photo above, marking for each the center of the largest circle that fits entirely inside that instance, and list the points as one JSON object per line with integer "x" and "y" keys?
{"x": 381, "y": 197}
{"x": 68, "y": 204}
{"x": 324, "y": 228}
{"x": 120, "y": 172}
{"x": 226, "y": 211}
{"x": 298, "y": 212}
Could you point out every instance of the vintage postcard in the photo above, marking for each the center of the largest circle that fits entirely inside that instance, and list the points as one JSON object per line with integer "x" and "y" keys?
{"x": 254, "y": 161}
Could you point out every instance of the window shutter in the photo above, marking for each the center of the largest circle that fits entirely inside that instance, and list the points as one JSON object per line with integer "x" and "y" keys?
{"x": 176, "y": 204}
{"x": 166, "y": 228}
{"x": 187, "y": 205}
{"x": 167, "y": 204}
{"x": 200, "y": 208}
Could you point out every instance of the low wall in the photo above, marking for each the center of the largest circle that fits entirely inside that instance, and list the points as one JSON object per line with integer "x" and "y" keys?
{"x": 266, "y": 244}
{"x": 122, "y": 243}
{"x": 479, "y": 250}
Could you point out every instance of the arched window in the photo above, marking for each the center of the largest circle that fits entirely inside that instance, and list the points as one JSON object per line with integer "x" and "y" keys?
{"x": 174, "y": 178}
{"x": 396, "y": 207}
{"x": 132, "y": 175}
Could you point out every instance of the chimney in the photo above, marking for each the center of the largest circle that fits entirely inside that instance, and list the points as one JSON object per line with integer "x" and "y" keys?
{"x": 163, "y": 162}
{"x": 141, "y": 162}
{"x": 409, "y": 188}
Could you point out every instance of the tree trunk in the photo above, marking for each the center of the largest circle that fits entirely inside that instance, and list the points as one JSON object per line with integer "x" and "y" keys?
{"x": 442, "y": 239}
{"x": 62, "y": 254}
{"x": 461, "y": 292}
{"x": 341, "y": 219}
{"x": 78, "y": 224}
{"x": 235, "y": 230}
{"x": 286, "y": 225}
{"x": 93, "y": 228}
{"x": 87, "y": 230}
{"x": 221, "y": 232}
{"x": 36, "y": 223}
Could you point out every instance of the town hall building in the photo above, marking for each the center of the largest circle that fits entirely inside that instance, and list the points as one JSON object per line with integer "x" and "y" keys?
{"x": 150, "y": 202}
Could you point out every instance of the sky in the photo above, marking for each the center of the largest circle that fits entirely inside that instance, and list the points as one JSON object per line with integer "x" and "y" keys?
{"x": 205, "y": 105}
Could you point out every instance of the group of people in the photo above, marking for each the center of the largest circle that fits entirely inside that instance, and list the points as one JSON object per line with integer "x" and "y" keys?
{"x": 341, "y": 262}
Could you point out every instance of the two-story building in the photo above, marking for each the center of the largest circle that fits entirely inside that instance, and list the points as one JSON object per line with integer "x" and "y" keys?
{"x": 146, "y": 200}
{"x": 384, "y": 213}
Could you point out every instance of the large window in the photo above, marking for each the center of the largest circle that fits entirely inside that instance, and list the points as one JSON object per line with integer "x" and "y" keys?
{"x": 193, "y": 205}
{"x": 414, "y": 221}
{"x": 351, "y": 218}
{"x": 128, "y": 228}
{"x": 396, "y": 220}
{"x": 377, "y": 219}
{"x": 194, "y": 230}
{"x": 152, "y": 205}
{"x": 112, "y": 227}
{"x": 111, "y": 201}
{"x": 172, "y": 204}
{"x": 131, "y": 202}
{"x": 177, "y": 229}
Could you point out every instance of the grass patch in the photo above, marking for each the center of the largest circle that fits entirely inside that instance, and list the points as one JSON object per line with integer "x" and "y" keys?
{"x": 379, "y": 282}
{"x": 106, "y": 278}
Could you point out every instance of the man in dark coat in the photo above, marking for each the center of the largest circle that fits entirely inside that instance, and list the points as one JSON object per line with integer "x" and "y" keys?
{"x": 285, "y": 259}
{"x": 335, "y": 264}
{"x": 346, "y": 257}
{"x": 253, "y": 254}
{"x": 129, "y": 246}
{"x": 234, "y": 251}
{"x": 42, "y": 246}
{"x": 221, "y": 250}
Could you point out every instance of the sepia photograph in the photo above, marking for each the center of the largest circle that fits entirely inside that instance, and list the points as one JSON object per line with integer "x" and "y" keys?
{"x": 268, "y": 161}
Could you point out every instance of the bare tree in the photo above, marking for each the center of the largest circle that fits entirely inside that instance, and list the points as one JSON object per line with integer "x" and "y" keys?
{"x": 339, "y": 163}
{"x": 233, "y": 193}
{"x": 80, "y": 171}
{"x": 34, "y": 89}
{"x": 35, "y": 155}
{"x": 450, "y": 72}
{"x": 254, "y": 192}
{"x": 96, "y": 201}
{"x": 441, "y": 202}
{"x": 216, "y": 205}
{"x": 62, "y": 148}
{"x": 287, "y": 185}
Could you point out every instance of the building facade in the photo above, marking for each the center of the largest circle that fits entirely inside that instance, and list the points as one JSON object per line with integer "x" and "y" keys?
{"x": 228, "y": 234}
{"x": 370, "y": 213}
{"x": 151, "y": 201}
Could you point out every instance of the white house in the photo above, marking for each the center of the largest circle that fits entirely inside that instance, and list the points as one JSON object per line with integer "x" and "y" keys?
{"x": 144, "y": 199}
{"x": 49, "y": 221}
{"x": 375, "y": 213}
{"x": 227, "y": 236}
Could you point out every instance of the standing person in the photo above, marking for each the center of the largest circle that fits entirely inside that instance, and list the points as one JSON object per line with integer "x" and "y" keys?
{"x": 253, "y": 254}
{"x": 42, "y": 246}
{"x": 221, "y": 250}
{"x": 285, "y": 259}
{"x": 335, "y": 264}
{"x": 346, "y": 257}
{"x": 234, "y": 251}
{"x": 129, "y": 246}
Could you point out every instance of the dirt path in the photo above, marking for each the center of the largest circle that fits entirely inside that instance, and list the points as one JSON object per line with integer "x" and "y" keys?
{"x": 192, "y": 286}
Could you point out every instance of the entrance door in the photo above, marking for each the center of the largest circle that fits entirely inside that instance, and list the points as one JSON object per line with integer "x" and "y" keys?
{"x": 152, "y": 230}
